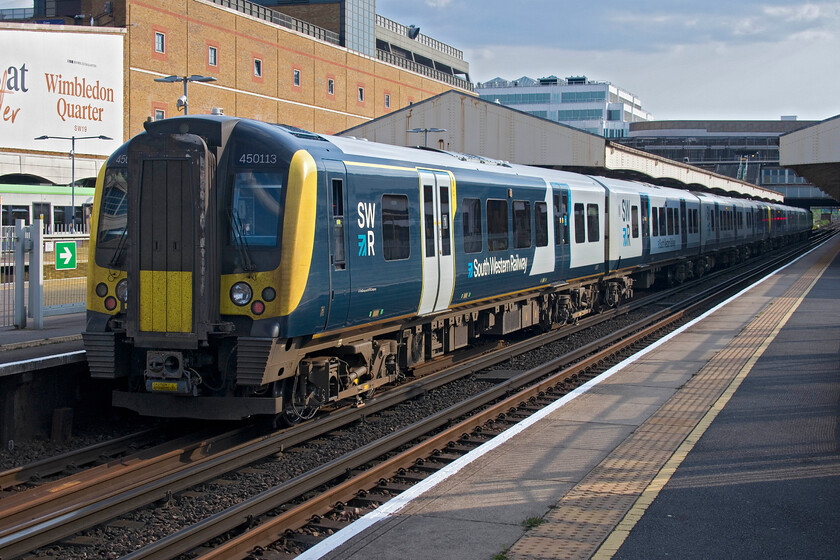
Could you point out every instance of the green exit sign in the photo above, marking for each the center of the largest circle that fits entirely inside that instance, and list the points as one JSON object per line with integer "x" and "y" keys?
{"x": 65, "y": 255}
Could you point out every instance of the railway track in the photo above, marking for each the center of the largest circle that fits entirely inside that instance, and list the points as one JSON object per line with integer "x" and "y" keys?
{"x": 20, "y": 537}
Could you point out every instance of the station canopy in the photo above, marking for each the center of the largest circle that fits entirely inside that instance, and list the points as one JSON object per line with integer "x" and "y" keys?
{"x": 458, "y": 122}
{"x": 813, "y": 152}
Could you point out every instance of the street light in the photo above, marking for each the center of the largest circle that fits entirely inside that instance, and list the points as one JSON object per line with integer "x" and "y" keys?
{"x": 182, "y": 101}
{"x": 73, "y": 167}
{"x": 426, "y": 132}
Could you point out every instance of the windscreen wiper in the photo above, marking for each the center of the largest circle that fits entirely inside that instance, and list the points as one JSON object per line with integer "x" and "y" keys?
{"x": 240, "y": 241}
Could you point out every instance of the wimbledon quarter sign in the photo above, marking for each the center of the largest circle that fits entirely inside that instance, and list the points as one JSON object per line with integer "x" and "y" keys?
{"x": 65, "y": 255}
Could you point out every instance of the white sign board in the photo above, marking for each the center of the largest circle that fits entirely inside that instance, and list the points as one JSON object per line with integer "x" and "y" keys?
{"x": 57, "y": 83}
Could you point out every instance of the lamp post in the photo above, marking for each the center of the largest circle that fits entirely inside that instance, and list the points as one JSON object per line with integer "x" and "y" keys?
{"x": 73, "y": 167}
{"x": 182, "y": 101}
{"x": 426, "y": 132}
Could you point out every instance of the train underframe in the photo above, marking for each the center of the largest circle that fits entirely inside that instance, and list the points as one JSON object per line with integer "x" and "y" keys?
{"x": 290, "y": 380}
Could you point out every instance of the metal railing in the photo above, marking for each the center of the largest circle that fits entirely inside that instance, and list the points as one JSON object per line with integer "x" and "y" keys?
{"x": 450, "y": 79}
{"x": 422, "y": 39}
{"x": 267, "y": 14}
{"x": 41, "y": 275}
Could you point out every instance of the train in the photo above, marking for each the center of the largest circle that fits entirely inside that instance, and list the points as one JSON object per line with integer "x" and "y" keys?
{"x": 51, "y": 203}
{"x": 240, "y": 268}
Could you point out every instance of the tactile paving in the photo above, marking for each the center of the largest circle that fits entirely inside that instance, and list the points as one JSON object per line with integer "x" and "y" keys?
{"x": 583, "y": 519}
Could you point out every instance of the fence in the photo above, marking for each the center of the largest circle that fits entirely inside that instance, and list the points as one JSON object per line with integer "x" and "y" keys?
{"x": 42, "y": 274}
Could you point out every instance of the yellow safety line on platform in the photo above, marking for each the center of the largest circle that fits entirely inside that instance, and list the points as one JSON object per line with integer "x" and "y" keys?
{"x": 614, "y": 541}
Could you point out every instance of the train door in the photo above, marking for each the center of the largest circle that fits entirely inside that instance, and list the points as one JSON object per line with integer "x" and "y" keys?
{"x": 561, "y": 228}
{"x": 174, "y": 300}
{"x": 436, "y": 224}
{"x": 645, "y": 202}
{"x": 716, "y": 225}
{"x": 339, "y": 271}
{"x": 682, "y": 222}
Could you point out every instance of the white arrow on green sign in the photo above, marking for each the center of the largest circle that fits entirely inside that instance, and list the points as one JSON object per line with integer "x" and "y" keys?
{"x": 65, "y": 255}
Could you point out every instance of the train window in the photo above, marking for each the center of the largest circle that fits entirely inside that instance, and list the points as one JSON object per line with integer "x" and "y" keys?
{"x": 497, "y": 225}
{"x": 671, "y": 221}
{"x": 521, "y": 224}
{"x": 396, "y": 243}
{"x": 663, "y": 221}
{"x": 541, "y": 223}
{"x": 445, "y": 247}
{"x": 339, "y": 256}
{"x": 429, "y": 219}
{"x": 634, "y": 221}
{"x": 114, "y": 208}
{"x": 654, "y": 220}
{"x": 677, "y": 219}
{"x": 471, "y": 213}
{"x": 12, "y": 213}
{"x": 592, "y": 223}
{"x": 580, "y": 226}
{"x": 42, "y": 210}
{"x": 257, "y": 208}
{"x": 645, "y": 213}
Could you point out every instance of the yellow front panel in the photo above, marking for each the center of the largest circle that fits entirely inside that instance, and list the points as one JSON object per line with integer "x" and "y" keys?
{"x": 165, "y": 301}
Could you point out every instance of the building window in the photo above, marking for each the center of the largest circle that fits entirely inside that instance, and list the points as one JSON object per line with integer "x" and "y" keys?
{"x": 160, "y": 42}
{"x": 296, "y": 78}
{"x": 387, "y": 100}
{"x": 330, "y": 86}
{"x": 212, "y": 59}
{"x": 257, "y": 68}
{"x": 361, "y": 97}
{"x": 160, "y": 114}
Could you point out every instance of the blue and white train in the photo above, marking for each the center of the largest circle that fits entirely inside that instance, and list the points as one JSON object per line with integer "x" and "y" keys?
{"x": 240, "y": 268}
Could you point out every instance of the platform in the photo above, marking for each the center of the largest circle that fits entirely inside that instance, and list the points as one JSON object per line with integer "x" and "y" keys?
{"x": 720, "y": 442}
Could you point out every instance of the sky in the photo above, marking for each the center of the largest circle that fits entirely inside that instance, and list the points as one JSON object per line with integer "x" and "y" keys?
{"x": 715, "y": 59}
{"x": 732, "y": 60}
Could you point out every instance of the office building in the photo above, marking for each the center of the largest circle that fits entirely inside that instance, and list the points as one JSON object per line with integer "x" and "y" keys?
{"x": 597, "y": 107}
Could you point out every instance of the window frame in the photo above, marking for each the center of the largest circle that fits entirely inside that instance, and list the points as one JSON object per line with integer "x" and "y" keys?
{"x": 160, "y": 42}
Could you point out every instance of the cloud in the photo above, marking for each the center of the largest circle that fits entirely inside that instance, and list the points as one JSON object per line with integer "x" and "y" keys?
{"x": 438, "y": 4}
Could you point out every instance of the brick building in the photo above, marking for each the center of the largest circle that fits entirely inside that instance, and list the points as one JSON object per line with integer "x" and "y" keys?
{"x": 325, "y": 66}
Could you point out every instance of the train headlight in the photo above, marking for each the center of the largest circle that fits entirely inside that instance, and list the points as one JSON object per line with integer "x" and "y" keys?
{"x": 101, "y": 289}
{"x": 122, "y": 290}
{"x": 241, "y": 293}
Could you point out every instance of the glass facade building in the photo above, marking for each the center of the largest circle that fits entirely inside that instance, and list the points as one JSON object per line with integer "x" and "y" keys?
{"x": 597, "y": 107}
